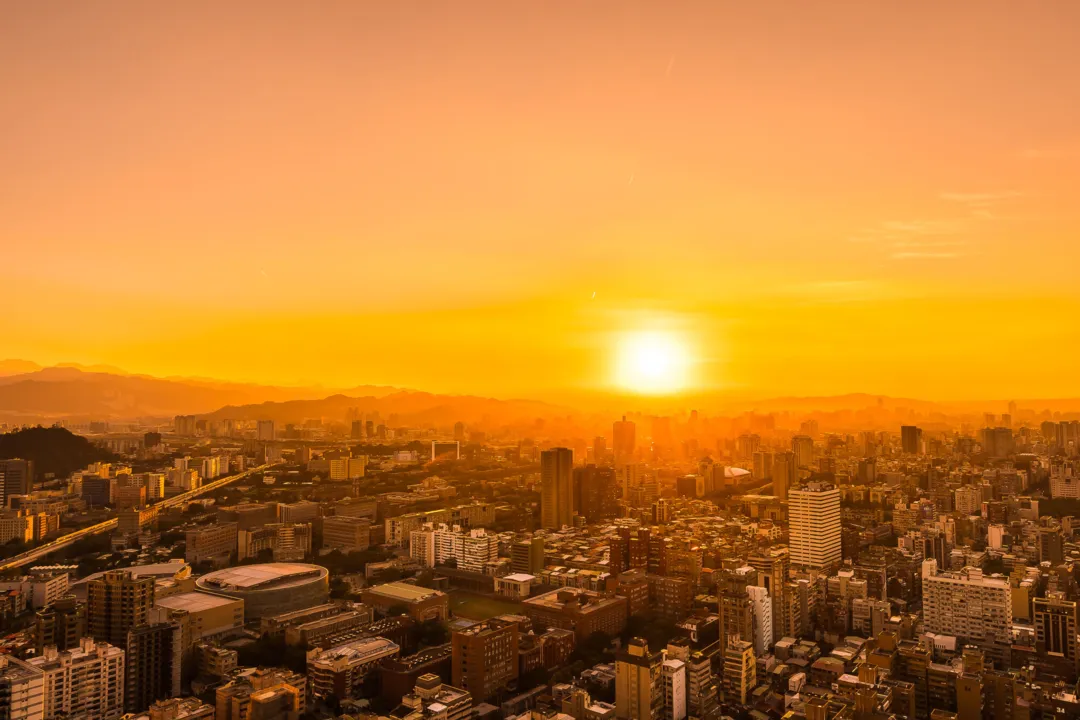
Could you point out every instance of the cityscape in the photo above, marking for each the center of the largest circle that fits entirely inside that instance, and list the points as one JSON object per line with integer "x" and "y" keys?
{"x": 487, "y": 360}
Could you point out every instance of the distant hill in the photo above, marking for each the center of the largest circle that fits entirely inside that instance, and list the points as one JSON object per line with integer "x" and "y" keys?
{"x": 53, "y": 450}
{"x": 73, "y": 393}
{"x": 17, "y": 367}
{"x": 418, "y": 408}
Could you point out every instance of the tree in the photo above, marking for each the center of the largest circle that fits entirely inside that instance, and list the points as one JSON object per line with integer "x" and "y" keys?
{"x": 433, "y": 632}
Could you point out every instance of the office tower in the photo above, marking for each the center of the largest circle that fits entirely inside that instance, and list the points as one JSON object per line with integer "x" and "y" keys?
{"x": 802, "y": 447}
{"x": 740, "y": 671}
{"x": 639, "y": 692}
{"x": 117, "y": 602}
{"x": 623, "y": 438}
{"x": 596, "y": 492}
{"x": 459, "y": 431}
{"x": 22, "y": 690}
{"x": 1056, "y": 626}
{"x": 867, "y": 474}
{"x": 783, "y": 474}
{"x": 484, "y": 657}
{"x": 673, "y": 677}
{"x": 814, "y": 525}
{"x": 61, "y": 624}
{"x": 527, "y": 556}
{"x": 86, "y": 681}
{"x": 910, "y": 439}
{"x": 556, "y": 488}
{"x": 761, "y": 608}
{"x": 968, "y": 605}
{"x": 356, "y": 430}
{"x": 763, "y": 465}
{"x": 16, "y": 478}
{"x": 153, "y": 664}
{"x": 266, "y": 431}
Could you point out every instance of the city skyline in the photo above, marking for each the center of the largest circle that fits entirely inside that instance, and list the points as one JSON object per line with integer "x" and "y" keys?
{"x": 861, "y": 192}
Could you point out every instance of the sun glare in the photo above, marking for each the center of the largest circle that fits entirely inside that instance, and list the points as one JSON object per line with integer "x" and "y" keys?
{"x": 652, "y": 362}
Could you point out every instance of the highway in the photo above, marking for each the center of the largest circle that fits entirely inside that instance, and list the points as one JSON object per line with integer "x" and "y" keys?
{"x": 63, "y": 541}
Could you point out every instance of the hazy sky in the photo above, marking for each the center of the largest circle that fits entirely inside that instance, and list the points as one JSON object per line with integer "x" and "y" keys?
{"x": 820, "y": 196}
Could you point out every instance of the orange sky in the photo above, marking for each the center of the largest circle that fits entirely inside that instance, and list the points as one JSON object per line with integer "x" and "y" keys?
{"x": 824, "y": 196}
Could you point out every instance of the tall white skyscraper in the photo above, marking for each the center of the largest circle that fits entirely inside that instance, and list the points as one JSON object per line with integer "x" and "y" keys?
{"x": 814, "y": 525}
{"x": 761, "y": 608}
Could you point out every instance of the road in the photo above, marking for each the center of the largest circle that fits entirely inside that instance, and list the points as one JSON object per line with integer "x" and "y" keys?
{"x": 63, "y": 541}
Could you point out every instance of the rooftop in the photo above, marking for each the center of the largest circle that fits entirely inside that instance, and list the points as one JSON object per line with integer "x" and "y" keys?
{"x": 252, "y": 577}
{"x": 404, "y": 591}
{"x": 195, "y": 601}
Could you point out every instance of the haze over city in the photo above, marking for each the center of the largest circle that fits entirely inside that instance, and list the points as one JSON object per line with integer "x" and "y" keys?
{"x": 482, "y": 197}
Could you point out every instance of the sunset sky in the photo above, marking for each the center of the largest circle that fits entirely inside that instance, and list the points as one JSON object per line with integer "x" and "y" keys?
{"x": 484, "y": 197}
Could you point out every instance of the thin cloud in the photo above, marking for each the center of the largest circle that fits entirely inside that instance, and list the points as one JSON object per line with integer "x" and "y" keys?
{"x": 923, "y": 255}
{"x": 980, "y": 199}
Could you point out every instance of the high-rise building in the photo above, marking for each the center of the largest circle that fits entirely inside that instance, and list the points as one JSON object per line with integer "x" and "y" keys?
{"x": 266, "y": 431}
{"x": 599, "y": 449}
{"x": 623, "y": 439}
{"x": 639, "y": 690}
{"x": 556, "y": 488}
{"x": 701, "y": 690}
{"x": 673, "y": 677}
{"x": 772, "y": 567}
{"x": 814, "y": 525}
{"x": 22, "y": 690}
{"x": 16, "y": 478}
{"x": 740, "y": 671}
{"x": 763, "y": 465}
{"x": 86, "y": 681}
{"x": 153, "y": 664}
{"x": 596, "y": 493}
{"x": 802, "y": 447}
{"x": 117, "y": 602}
{"x": 761, "y": 609}
{"x": 969, "y": 605}
{"x": 1056, "y": 626}
{"x": 783, "y": 474}
{"x": 911, "y": 439}
{"x": 61, "y": 624}
{"x": 484, "y": 657}
{"x": 527, "y": 556}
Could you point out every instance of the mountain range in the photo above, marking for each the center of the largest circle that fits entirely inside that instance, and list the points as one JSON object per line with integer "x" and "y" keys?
{"x": 30, "y": 393}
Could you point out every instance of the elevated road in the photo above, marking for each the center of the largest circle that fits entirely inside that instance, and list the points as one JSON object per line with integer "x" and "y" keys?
{"x": 64, "y": 540}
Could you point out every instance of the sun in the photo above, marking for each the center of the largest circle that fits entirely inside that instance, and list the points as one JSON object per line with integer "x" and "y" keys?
{"x": 652, "y": 362}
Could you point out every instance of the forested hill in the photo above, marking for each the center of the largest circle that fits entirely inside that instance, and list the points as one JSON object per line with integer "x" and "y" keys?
{"x": 53, "y": 450}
